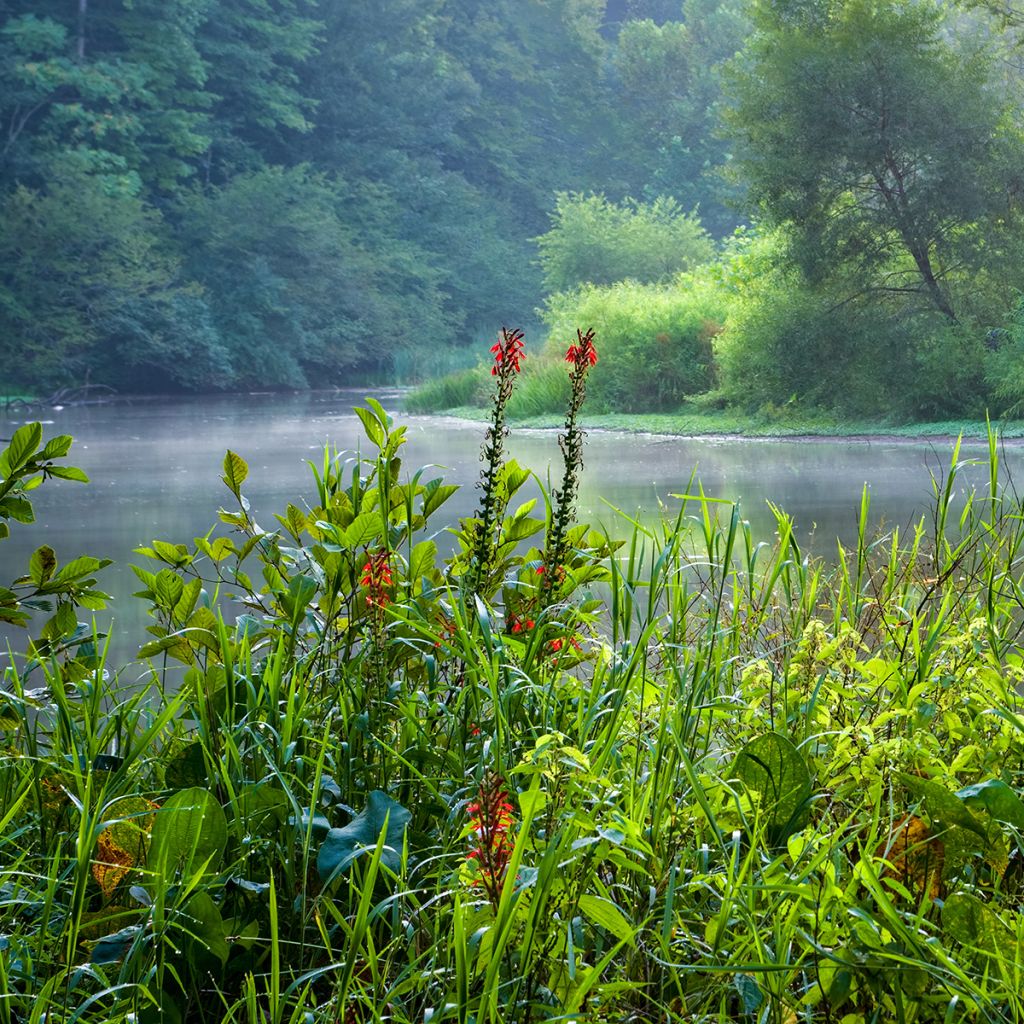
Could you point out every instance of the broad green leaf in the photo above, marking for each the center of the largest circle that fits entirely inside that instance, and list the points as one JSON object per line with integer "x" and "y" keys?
{"x": 42, "y": 564}
{"x": 66, "y": 620}
{"x": 941, "y": 805}
{"x": 372, "y": 426}
{"x": 772, "y": 767}
{"x": 21, "y": 448}
{"x": 423, "y": 560}
{"x": 749, "y": 992}
{"x": 301, "y": 590}
{"x": 343, "y": 845}
{"x": 68, "y": 473}
{"x": 366, "y": 527}
{"x": 188, "y": 767}
{"x": 435, "y": 494}
{"x": 967, "y": 920}
{"x": 168, "y": 588}
{"x": 57, "y": 447}
{"x": 190, "y": 831}
{"x": 236, "y": 469}
{"x": 606, "y": 915}
{"x": 112, "y": 948}
{"x": 18, "y": 509}
{"x": 203, "y": 926}
{"x": 996, "y": 797}
{"x": 261, "y": 805}
{"x": 79, "y": 568}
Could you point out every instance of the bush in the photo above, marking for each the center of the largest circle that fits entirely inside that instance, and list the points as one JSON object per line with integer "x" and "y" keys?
{"x": 794, "y": 344}
{"x": 655, "y": 340}
{"x": 594, "y": 241}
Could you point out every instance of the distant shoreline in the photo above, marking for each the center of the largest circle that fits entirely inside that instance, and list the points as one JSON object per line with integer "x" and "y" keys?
{"x": 736, "y": 427}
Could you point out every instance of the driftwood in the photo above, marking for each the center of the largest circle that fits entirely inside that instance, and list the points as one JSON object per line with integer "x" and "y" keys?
{"x": 77, "y": 394}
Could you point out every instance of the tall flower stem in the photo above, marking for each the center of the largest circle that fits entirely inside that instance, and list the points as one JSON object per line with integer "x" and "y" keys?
{"x": 508, "y": 353}
{"x": 581, "y": 357}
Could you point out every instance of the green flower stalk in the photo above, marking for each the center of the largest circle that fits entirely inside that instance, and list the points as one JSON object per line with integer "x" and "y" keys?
{"x": 580, "y": 357}
{"x": 508, "y": 354}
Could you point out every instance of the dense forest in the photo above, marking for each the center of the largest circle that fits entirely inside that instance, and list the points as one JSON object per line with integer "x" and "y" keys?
{"x": 809, "y": 202}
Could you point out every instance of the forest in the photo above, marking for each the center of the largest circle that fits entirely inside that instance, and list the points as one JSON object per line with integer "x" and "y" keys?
{"x": 759, "y": 205}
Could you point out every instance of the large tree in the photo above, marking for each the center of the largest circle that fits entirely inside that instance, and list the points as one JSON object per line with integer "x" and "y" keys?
{"x": 877, "y": 142}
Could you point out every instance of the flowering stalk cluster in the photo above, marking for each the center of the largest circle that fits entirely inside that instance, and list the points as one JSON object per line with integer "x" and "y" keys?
{"x": 508, "y": 354}
{"x": 376, "y": 579}
{"x": 491, "y": 821}
{"x": 581, "y": 356}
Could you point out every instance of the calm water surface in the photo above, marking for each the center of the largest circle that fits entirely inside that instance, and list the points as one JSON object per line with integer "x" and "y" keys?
{"x": 155, "y": 469}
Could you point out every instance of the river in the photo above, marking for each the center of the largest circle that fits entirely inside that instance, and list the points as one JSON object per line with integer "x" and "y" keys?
{"x": 155, "y": 466}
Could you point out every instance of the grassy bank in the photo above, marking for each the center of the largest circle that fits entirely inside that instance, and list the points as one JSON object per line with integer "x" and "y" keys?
{"x": 725, "y": 423}
{"x": 679, "y": 776}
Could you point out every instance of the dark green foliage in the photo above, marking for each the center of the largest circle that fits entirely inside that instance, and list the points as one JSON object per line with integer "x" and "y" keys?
{"x": 79, "y": 261}
{"x": 670, "y": 77}
{"x": 884, "y": 150}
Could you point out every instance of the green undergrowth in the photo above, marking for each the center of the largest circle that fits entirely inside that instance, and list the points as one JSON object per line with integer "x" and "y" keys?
{"x": 684, "y": 774}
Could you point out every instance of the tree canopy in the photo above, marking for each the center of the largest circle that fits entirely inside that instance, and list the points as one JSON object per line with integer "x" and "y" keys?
{"x": 878, "y": 142}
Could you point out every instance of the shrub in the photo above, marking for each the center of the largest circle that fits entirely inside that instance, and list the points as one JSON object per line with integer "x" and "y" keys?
{"x": 655, "y": 340}
{"x": 786, "y": 341}
{"x": 594, "y": 241}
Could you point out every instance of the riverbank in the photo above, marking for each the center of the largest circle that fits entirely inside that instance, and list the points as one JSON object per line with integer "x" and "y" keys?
{"x": 738, "y": 425}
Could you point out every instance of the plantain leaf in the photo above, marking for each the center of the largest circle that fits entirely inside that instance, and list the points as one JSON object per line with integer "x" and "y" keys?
{"x": 772, "y": 767}
{"x": 190, "y": 831}
{"x": 343, "y": 846}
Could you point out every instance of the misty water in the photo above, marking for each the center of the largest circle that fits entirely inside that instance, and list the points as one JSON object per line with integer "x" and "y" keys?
{"x": 155, "y": 469}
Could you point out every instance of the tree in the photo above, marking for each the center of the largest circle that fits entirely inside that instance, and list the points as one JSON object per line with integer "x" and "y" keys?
{"x": 669, "y": 79}
{"x": 74, "y": 259}
{"x": 593, "y": 241}
{"x": 877, "y": 143}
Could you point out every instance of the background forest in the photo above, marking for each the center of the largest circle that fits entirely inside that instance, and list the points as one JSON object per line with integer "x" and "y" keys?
{"x": 237, "y": 194}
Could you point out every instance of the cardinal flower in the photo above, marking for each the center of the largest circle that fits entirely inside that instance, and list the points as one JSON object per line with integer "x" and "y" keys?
{"x": 376, "y": 579}
{"x": 491, "y": 820}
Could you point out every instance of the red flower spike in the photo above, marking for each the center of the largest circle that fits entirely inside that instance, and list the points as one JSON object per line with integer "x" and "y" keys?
{"x": 491, "y": 820}
{"x": 508, "y": 352}
{"x": 376, "y": 578}
{"x": 584, "y": 353}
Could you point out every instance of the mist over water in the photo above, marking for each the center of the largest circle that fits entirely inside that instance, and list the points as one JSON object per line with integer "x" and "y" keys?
{"x": 155, "y": 468}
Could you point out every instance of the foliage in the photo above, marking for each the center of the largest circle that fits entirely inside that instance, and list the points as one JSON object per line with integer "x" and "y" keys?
{"x": 294, "y": 295}
{"x": 593, "y": 241}
{"x": 670, "y": 79}
{"x": 90, "y": 285}
{"x": 656, "y": 340}
{"x": 47, "y": 586}
{"x": 885, "y": 151}
{"x": 760, "y": 786}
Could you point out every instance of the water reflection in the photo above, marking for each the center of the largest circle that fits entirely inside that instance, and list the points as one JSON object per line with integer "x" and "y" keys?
{"x": 155, "y": 469}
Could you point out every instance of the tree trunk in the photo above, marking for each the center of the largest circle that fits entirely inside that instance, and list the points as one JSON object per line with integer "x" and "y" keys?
{"x": 83, "y": 6}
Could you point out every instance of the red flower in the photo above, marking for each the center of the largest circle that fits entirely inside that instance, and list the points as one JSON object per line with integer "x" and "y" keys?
{"x": 376, "y": 577}
{"x": 584, "y": 353}
{"x": 508, "y": 351}
{"x": 491, "y": 819}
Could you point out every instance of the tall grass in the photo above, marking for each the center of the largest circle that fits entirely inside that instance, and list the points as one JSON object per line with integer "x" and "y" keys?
{"x": 744, "y": 784}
